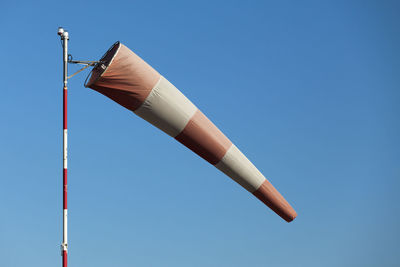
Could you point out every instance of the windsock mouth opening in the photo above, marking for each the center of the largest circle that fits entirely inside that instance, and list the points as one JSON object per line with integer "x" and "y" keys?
{"x": 101, "y": 67}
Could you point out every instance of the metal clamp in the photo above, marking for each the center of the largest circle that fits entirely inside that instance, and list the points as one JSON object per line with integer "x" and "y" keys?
{"x": 64, "y": 247}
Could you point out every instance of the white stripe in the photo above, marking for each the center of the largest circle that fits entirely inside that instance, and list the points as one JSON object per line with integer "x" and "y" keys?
{"x": 240, "y": 169}
{"x": 65, "y": 154}
{"x": 167, "y": 108}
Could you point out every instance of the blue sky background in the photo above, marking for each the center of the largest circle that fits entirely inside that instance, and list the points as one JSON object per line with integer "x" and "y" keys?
{"x": 308, "y": 90}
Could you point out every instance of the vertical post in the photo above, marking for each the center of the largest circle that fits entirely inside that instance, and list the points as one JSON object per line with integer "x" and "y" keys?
{"x": 64, "y": 245}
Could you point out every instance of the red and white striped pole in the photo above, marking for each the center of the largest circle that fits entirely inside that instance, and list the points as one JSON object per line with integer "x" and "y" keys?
{"x": 64, "y": 245}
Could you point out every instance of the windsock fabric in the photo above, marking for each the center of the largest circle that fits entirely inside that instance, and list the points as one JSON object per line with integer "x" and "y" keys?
{"x": 125, "y": 78}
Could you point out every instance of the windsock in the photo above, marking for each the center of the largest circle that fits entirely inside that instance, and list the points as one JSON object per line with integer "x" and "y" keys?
{"x": 128, "y": 80}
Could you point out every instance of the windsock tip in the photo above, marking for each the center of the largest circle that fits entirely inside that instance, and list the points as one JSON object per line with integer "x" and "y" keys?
{"x": 275, "y": 201}
{"x": 289, "y": 217}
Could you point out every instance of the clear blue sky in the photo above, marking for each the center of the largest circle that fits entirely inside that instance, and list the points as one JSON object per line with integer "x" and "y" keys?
{"x": 308, "y": 91}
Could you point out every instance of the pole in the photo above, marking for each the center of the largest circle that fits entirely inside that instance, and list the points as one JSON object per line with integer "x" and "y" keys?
{"x": 64, "y": 245}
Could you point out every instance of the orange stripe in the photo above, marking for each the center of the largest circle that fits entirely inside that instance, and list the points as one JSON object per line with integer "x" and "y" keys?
{"x": 202, "y": 137}
{"x": 128, "y": 80}
{"x": 273, "y": 199}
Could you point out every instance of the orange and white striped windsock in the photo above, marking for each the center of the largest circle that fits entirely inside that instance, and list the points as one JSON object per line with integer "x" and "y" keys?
{"x": 128, "y": 80}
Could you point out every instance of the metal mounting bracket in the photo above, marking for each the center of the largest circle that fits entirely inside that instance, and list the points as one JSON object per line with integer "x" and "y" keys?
{"x": 85, "y": 63}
